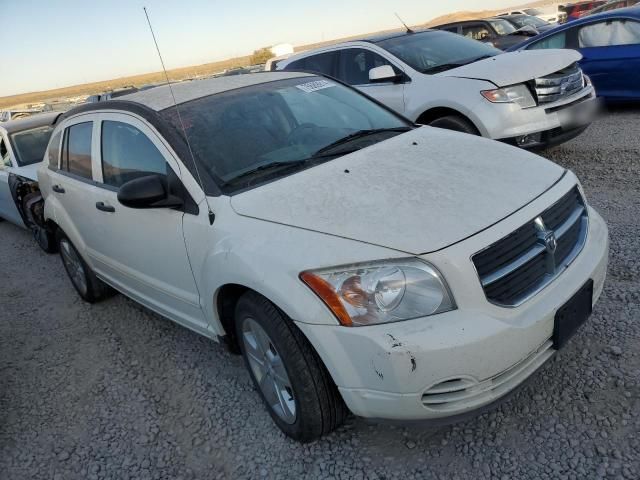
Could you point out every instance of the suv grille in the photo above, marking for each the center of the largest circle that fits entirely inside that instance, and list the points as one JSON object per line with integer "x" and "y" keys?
{"x": 522, "y": 263}
{"x": 559, "y": 85}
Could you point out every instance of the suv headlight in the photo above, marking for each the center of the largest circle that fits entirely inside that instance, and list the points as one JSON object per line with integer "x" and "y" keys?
{"x": 381, "y": 292}
{"x": 518, "y": 94}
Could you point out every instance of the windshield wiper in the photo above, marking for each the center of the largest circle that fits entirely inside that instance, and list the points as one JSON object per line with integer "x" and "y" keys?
{"x": 321, "y": 154}
{"x": 267, "y": 167}
{"x": 442, "y": 68}
{"x": 356, "y": 135}
{"x": 451, "y": 66}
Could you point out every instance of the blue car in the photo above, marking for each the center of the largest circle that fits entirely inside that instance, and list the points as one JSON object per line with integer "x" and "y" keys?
{"x": 610, "y": 46}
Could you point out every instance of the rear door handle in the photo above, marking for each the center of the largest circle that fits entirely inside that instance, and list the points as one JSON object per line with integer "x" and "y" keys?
{"x": 105, "y": 208}
{"x": 57, "y": 189}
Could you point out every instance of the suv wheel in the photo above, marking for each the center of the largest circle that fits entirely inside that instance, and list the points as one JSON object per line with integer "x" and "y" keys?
{"x": 88, "y": 286}
{"x": 456, "y": 123}
{"x": 293, "y": 383}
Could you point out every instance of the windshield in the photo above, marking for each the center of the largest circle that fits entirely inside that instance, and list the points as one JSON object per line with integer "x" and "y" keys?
{"x": 533, "y": 11}
{"x": 430, "y": 52}
{"x": 528, "y": 20}
{"x": 252, "y": 134}
{"x": 29, "y": 145}
{"x": 502, "y": 27}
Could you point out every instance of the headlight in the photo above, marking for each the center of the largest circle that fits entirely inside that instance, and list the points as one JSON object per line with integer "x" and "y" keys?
{"x": 519, "y": 94}
{"x": 381, "y": 292}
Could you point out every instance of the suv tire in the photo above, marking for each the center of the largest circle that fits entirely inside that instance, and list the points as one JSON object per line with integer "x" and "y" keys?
{"x": 278, "y": 355}
{"x": 88, "y": 286}
{"x": 455, "y": 123}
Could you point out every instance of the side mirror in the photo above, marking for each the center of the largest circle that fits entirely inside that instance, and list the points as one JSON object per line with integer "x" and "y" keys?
{"x": 384, "y": 73}
{"x": 148, "y": 192}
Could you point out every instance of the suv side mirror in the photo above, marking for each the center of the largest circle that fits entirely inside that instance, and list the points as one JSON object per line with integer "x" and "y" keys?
{"x": 148, "y": 192}
{"x": 527, "y": 31}
{"x": 384, "y": 73}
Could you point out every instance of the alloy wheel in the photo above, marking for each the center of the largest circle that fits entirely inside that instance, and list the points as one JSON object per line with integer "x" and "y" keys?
{"x": 269, "y": 371}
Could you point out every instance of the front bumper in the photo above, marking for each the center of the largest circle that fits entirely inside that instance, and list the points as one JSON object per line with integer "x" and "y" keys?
{"x": 509, "y": 122}
{"x": 547, "y": 139}
{"x": 451, "y": 364}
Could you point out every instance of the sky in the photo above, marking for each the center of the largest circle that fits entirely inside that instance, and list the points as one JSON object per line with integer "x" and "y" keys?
{"x": 56, "y": 43}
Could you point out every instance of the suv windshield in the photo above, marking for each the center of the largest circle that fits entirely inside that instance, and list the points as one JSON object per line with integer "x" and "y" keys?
{"x": 29, "y": 145}
{"x": 501, "y": 26}
{"x": 246, "y": 136}
{"x": 432, "y": 52}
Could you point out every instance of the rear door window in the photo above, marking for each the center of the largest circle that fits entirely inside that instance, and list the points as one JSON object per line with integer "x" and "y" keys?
{"x": 355, "y": 64}
{"x": 76, "y": 153}
{"x": 609, "y": 34}
{"x": 324, "y": 63}
{"x": 128, "y": 154}
{"x": 476, "y": 31}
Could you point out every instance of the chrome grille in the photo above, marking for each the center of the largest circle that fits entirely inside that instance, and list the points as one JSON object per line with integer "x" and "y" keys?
{"x": 559, "y": 85}
{"x": 520, "y": 264}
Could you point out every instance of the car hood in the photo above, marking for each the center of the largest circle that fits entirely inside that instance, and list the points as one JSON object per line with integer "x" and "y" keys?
{"x": 516, "y": 67}
{"x": 417, "y": 192}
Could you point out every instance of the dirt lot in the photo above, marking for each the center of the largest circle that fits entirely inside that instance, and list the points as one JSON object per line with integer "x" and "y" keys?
{"x": 113, "y": 391}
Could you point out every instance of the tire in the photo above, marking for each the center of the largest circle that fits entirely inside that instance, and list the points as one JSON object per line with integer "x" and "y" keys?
{"x": 92, "y": 289}
{"x": 45, "y": 239}
{"x": 319, "y": 408}
{"x": 455, "y": 123}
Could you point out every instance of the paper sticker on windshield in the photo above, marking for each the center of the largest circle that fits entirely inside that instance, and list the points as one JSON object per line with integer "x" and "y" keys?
{"x": 315, "y": 86}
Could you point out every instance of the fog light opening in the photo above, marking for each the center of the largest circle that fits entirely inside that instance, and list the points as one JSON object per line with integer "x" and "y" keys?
{"x": 529, "y": 140}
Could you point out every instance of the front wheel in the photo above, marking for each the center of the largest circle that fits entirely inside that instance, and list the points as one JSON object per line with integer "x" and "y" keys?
{"x": 292, "y": 380}
{"x": 455, "y": 123}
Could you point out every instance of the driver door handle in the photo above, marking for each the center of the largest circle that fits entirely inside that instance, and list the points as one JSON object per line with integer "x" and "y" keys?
{"x": 105, "y": 208}
{"x": 57, "y": 189}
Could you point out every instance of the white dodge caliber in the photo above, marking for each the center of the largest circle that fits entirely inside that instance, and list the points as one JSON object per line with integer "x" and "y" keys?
{"x": 359, "y": 262}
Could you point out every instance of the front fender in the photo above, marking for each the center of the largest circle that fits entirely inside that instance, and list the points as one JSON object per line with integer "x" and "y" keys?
{"x": 268, "y": 258}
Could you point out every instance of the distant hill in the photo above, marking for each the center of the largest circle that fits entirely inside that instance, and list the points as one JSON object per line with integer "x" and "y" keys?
{"x": 215, "y": 67}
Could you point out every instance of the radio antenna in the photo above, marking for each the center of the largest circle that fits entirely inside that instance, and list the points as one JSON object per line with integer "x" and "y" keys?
{"x": 405, "y": 25}
{"x": 184, "y": 130}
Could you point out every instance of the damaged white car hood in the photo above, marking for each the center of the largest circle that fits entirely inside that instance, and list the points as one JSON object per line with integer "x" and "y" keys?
{"x": 417, "y": 192}
{"x": 516, "y": 67}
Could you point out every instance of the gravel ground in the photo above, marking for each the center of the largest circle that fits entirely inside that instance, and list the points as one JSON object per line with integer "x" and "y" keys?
{"x": 114, "y": 391}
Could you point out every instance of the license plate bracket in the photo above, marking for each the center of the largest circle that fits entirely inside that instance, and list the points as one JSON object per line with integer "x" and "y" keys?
{"x": 572, "y": 315}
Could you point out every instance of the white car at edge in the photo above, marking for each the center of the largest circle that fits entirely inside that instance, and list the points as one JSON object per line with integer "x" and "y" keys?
{"x": 358, "y": 262}
{"x": 531, "y": 99}
{"x": 23, "y": 143}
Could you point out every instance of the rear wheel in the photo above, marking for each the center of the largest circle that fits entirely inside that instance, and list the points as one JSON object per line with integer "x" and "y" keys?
{"x": 88, "y": 286}
{"x": 292, "y": 380}
{"x": 456, "y": 123}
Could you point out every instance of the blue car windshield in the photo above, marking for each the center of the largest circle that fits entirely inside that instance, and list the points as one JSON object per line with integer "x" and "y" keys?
{"x": 433, "y": 51}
